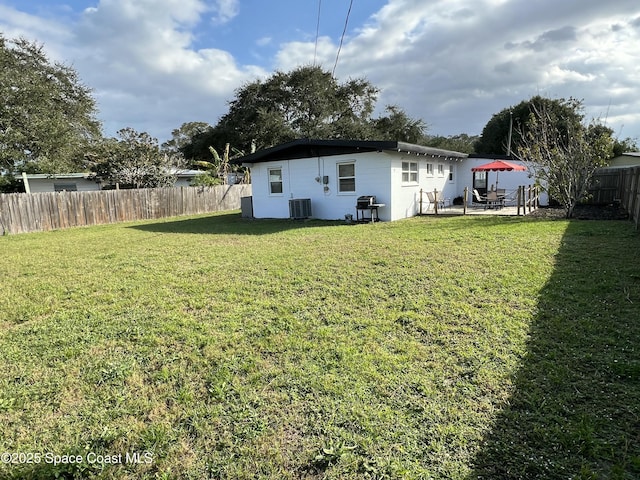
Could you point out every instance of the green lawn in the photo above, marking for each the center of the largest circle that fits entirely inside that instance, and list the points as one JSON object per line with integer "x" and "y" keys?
{"x": 217, "y": 347}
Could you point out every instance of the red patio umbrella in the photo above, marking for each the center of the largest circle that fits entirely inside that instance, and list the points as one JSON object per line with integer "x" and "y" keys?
{"x": 499, "y": 166}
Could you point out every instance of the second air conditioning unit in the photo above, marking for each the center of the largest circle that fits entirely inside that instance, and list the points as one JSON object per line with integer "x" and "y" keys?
{"x": 300, "y": 208}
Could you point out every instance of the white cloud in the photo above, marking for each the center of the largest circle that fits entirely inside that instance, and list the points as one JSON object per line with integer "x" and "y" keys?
{"x": 294, "y": 54}
{"x": 453, "y": 63}
{"x": 14, "y": 24}
{"x": 143, "y": 62}
{"x": 264, "y": 41}
{"x": 225, "y": 11}
{"x": 555, "y": 74}
{"x": 456, "y": 63}
{"x": 140, "y": 60}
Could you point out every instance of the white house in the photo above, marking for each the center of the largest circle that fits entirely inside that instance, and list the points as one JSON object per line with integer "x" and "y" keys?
{"x": 627, "y": 159}
{"x": 84, "y": 182}
{"x": 330, "y": 175}
{"x": 66, "y": 182}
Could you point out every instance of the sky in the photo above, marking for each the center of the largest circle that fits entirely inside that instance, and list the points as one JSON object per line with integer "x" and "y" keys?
{"x": 156, "y": 64}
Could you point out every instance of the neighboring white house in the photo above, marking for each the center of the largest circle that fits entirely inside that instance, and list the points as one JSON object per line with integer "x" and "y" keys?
{"x": 67, "y": 182}
{"x": 84, "y": 182}
{"x": 628, "y": 159}
{"x": 332, "y": 174}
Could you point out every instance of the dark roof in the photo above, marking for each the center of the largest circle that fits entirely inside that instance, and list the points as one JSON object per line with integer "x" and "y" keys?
{"x": 492, "y": 156}
{"x": 306, "y": 148}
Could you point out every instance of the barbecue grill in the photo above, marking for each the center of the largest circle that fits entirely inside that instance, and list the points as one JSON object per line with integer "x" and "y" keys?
{"x": 367, "y": 203}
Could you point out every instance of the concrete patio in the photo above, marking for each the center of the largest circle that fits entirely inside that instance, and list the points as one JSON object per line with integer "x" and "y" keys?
{"x": 508, "y": 210}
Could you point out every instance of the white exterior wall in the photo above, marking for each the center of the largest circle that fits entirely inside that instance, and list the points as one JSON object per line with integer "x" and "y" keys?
{"x": 183, "y": 182}
{"x": 406, "y": 195}
{"x": 377, "y": 173}
{"x": 507, "y": 180}
{"x": 372, "y": 177}
{"x": 40, "y": 185}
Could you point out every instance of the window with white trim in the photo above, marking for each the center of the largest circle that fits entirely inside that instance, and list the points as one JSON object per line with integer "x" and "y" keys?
{"x": 65, "y": 187}
{"x": 346, "y": 178}
{"x": 275, "y": 181}
{"x": 430, "y": 169}
{"x": 409, "y": 172}
{"x": 440, "y": 170}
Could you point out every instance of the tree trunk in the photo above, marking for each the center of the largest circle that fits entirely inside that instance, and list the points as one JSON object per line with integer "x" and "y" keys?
{"x": 569, "y": 210}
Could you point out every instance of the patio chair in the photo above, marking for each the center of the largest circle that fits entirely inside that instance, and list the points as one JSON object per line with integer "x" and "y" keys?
{"x": 442, "y": 200}
{"x": 433, "y": 199}
{"x": 479, "y": 198}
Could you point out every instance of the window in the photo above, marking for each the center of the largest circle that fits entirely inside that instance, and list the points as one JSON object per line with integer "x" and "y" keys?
{"x": 440, "y": 170}
{"x": 409, "y": 172}
{"x": 65, "y": 187}
{"x": 480, "y": 181}
{"x": 275, "y": 181}
{"x": 451, "y": 173}
{"x": 346, "y": 177}
{"x": 430, "y": 169}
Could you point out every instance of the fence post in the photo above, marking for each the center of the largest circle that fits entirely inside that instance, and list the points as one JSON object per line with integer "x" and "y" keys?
{"x": 635, "y": 212}
{"x": 519, "y": 198}
{"x": 420, "y": 201}
{"x": 464, "y": 200}
{"x": 435, "y": 200}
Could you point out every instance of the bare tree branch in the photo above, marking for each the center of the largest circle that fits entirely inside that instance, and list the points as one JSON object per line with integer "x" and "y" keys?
{"x": 564, "y": 159}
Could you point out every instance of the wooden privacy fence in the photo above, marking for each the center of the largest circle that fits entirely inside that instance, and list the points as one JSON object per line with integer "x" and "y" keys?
{"x": 618, "y": 186}
{"x": 36, "y": 212}
{"x": 605, "y": 186}
{"x": 630, "y": 193}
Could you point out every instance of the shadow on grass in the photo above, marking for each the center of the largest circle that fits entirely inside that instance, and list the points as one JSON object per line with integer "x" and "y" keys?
{"x": 575, "y": 408}
{"x": 231, "y": 224}
{"x": 487, "y": 222}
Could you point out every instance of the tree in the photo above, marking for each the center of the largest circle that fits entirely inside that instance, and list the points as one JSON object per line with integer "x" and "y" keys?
{"x": 458, "y": 143}
{"x": 564, "y": 152}
{"x": 218, "y": 167}
{"x": 305, "y": 103}
{"x": 10, "y": 184}
{"x": 624, "y": 146}
{"x": 47, "y": 116}
{"x": 397, "y": 125}
{"x": 495, "y": 135}
{"x": 135, "y": 160}
{"x": 190, "y": 141}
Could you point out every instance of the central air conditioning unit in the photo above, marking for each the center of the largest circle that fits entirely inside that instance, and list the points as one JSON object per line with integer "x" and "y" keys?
{"x": 300, "y": 208}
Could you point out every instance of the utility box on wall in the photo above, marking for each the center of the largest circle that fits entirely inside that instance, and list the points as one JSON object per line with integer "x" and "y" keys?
{"x": 246, "y": 207}
{"x": 300, "y": 208}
